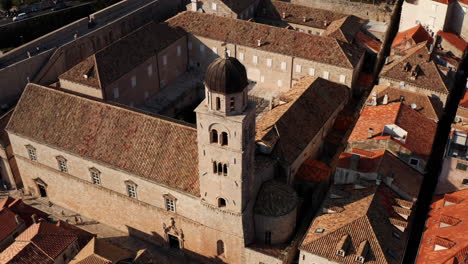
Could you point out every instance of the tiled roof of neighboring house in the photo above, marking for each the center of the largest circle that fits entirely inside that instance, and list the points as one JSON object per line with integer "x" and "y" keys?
{"x": 4, "y": 140}
{"x": 447, "y": 222}
{"x": 122, "y": 56}
{"x": 419, "y": 137}
{"x": 98, "y": 251}
{"x": 461, "y": 125}
{"x": 314, "y": 17}
{"x": 464, "y": 100}
{"x": 278, "y": 40}
{"x": 361, "y": 221}
{"x": 453, "y": 39}
{"x": 314, "y": 171}
{"x": 417, "y": 61}
{"x": 275, "y": 199}
{"x": 424, "y": 104}
{"x": 309, "y": 105}
{"x": 418, "y": 34}
{"x": 156, "y": 148}
{"x": 345, "y": 29}
{"x": 8, "y": 223}
{"x": 394, "y": 171}
{"x": 25, "y": 211}
{"x": 24, "y": 252}
{"x": 368, "y": 41}
{"x": 83, "y": 236}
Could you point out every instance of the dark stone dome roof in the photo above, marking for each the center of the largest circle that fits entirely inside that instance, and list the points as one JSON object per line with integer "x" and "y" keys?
{"x": 275, "y": 199}
{"x": 226, "y": 76}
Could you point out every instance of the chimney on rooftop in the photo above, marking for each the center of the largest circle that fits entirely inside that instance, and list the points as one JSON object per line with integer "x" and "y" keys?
{"x": 194, "y": 5}
{"x": 385, "y": 99}
{"x": 304, "y": 19}
{"x": 374, "y": 99}
{"x": 370, "y": 133}
{"x": 283, "y": 15}
{"x": 34, "y": 218}
{"x": 259, "y": 42}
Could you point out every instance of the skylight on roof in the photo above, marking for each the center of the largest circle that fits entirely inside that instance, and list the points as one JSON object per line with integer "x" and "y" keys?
{"x": 319, "y": 230}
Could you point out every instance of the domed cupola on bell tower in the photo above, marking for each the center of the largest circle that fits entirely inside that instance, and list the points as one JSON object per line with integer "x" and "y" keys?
{"x": 226, "y": 86}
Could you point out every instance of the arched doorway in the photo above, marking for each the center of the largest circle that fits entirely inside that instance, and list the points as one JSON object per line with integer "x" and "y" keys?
{"x": 173, "y": 242}
{"x": 41, "y": 187}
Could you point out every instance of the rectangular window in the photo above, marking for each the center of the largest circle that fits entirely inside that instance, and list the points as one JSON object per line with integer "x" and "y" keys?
{"x": 269, "y": 62}
{"x": 434, "y": 8}
{"x": 170, "y": 205}
{"x": 267, "y": 237}
{"x": 461, "y": 166}
{"x": 298, "y": 68}
{"x": 133, "y": 81}
{"x": 190, "y": 45}
{"x": 165, "y": 60}
{"x": 116, "y": 92}
{"x": 342, "y": 79}
{"x": 32, "y": 153}
{"x": 465, "y": 181}
{"x": 215, "y": 50}
{"x": 312, "y": 72}
{"x": 262, "y": 79}
{"x": 131, "y": 190}
{"x": 241, "y": 56}
{"x": 255, "y": 59}
{"x": 95, "y": 176}
{"x": 280, "y": 83}
{"x": 214, "y": 6}
{"x": 179, "y": 50}
{"x": 62, "y": 165}
{"x": 326, "y": 75}
{"x": 283, "y": 65}
{"x": 150, "y": 70}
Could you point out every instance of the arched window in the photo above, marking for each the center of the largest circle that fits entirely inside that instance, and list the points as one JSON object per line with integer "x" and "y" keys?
{"x": 220, "y": 168}
{"x": 221, "y": 202}
{"x": 215, "y": 167}
{"x": 220, "y": 247}
{"x": 224, "y": 139}
{"x": 218, "y": 103}
{"x": 225, "y": 169}
{"x": 214, "y": 136}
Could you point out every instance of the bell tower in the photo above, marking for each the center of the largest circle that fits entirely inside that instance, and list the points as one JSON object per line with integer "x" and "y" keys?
{"x": 226, "y": 137}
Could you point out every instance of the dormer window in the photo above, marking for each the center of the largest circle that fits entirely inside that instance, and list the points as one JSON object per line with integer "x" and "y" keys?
{"x": 31, "y": 152}
{"x": 342, "y": 246}
{"x": 62, "y": 164}
{"x": 407, "y": 67}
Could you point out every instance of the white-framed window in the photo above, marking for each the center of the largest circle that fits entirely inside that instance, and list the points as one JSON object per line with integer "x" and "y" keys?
{"x": 342, "y": 78}
{"x": 414, "y": 162}
{"x": 214, "y": 6}
{"x": 202, "y": 48}
{"x": 131, "y": 189}
{"x": 116, "y": 92}
{"x": 326, "y": 75}
{"x": 262, "y": 79}
{"x": 434, "y": 8}
{"x": 431, "y": 21}
{"x": 179, "y": 50}
{"x": 298, "y": 68}
{"x": 280, "y": 83}
{"x": 215, "y": 50}
{"x": 255, "y": 59}
{"x": 31, "y": 152}
{"x": 134, "y": 81}
{"x": 95, "y": 176}
{"x": 312, "y": 72}
{"x": 150, "y": 70}
{"x": 190, "y": 45}
{"x": 170, "y": 204}
{"x": 165, "y": 60}
{"x": 241, "y": 56}
{"x": 62, "y": 164}
{"x": 283, "y": 65}
{"x": 269, "y": 62}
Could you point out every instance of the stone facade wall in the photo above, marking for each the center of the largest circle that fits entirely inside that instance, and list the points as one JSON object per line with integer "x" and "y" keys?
{"x": 256, "y": 257}
{"x": 221, "y": 9}
{"x": 281, "y": 227}
{"x": 430, "y": 14}
{"x": 202, "y": 225}
{"x": 81, "y": 89}
{"x": 176, "y": 62}
{"x": 308, "y": 258}
{"x": 451, "y": 178}
{"x": 7, "y": 168}
{"x": 447, "y": 46}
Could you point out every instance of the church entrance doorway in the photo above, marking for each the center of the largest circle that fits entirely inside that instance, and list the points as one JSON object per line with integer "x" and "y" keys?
{"x": 174, "y": 242}
{"x": 42, "y": 190}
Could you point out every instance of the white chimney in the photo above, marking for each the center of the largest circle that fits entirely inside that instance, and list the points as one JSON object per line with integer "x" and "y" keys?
{"x": 259, "y": 42}
{"x": 385, "y": 99}
{"x": 18, "y": 220}
{"x": 194, "y": 5}
{"x": 413, "y": 106}
{"x": 370, "y": 133}
{"x": 374, "y": 99}
{"x": 284, "y": 15}
{"x": 304, "y": 19}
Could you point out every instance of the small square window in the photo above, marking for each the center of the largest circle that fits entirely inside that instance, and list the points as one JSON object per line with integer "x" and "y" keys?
{"x": 326, "y": 75}
{"x": 414, "y": 162}
{"x": 298, "y": 68}
{"x": 241, "y": 56}
{"x": 342, "y": 79}
{"x": 255, "y": 59}
{"x": 395, "y": 234}
{"x": 214, "y": 6}
{"x": 170, "y": 205}
{"x": 434, "y": 8}
{"x": 280, "y": 83}
{"x": 312, "y": 72}
{"x": 461, "y": 166}
{"x": 283, "y": 65}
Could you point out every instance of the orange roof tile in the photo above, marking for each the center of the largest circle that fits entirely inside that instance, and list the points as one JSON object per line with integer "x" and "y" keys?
{"x": 369, "y": 42}
{"x": 314, "y": 170}
{"x": 418, "y": 34}
{"x": 453, "y": 39}
{"x": 447, "y": 226}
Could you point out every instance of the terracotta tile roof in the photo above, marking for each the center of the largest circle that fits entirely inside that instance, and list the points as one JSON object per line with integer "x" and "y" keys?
{"x": 83, "y": 236}
{"x": 446, "y": 226}
{"x": 278, "y": 40}
{"x": 424, "y": 104}
{"x": 417, "y": 59}
{"x": 84, "y": 73}
{"x": 156, "y": 148}
{"x": 4, "y": 140}
{"x": 24, "y": 253}
{"x": 464, "y": 100}
{"x": 25, "y": 211}
{"x": 314, "y": 170}
{"x": 8, "y": 223}
{"x": 98, "y": 251}
{"x": 368, "y": 218}
{"x": 418, "y": 34}
{"x": 345, "y": 29}
{"x": 368, "y": 41}
{"x": 316, "y": 18}
{"x": 453, "y": 39}
{"x": 419, "y": 137}
{"x": 309, "y": 105}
